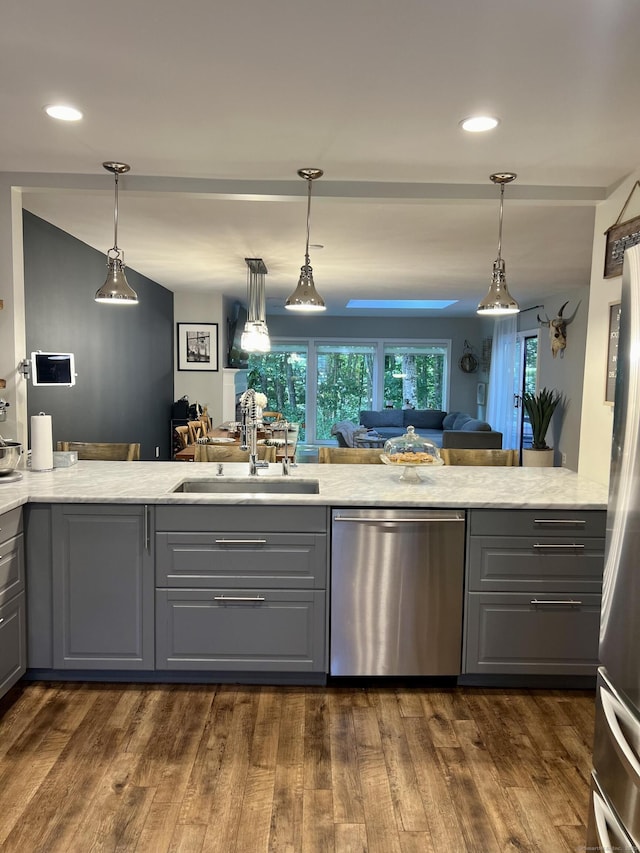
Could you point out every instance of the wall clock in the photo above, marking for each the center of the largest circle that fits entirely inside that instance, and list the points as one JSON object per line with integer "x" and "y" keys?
{"x": 467, "y": 362}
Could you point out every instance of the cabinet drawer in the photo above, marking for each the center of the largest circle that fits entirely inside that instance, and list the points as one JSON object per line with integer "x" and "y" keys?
{"x": 547, "y": 563}
{"x": 534, "y": 522}
{"x": 241, "y": 559}
{"x": 11, "y": 568}
{"x": 240, "y": 629}
{"x": 10, "y": 524}
{"x": 296, "y": 519}
{"x": 13, "y": 642}
{"x": 509, "y": 634}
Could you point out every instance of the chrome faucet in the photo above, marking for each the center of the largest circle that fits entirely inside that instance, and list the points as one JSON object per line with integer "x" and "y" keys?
{"x": 287, "y": 463}
{"x": 250, "y": 430}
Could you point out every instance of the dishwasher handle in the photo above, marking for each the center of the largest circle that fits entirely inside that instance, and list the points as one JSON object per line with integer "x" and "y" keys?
{"x": 368, "y": 519}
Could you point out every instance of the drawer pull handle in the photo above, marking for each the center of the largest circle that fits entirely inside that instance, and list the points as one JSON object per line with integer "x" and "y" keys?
{"x": 558, "y": 547}
{"x": 571, "y": 521}
{"x": 1, "y": 620}
{"x": 569, "y": 602}
{"x": 241, "y": 541}
{"x": 238, "y": 597}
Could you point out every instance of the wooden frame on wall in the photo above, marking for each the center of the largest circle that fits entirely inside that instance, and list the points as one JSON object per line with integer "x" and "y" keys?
{"x": 197, "y": 346}
{"x": 620, "y": 236}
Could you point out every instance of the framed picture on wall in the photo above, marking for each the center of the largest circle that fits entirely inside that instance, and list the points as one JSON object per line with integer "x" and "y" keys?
{"x": 197, "y": 346}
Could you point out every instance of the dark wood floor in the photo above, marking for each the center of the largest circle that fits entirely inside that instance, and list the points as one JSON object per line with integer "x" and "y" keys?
{"x": 237, "y": 768}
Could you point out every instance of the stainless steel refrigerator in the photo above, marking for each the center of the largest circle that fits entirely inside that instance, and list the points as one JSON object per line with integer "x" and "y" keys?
{"x": 614, "y": 819}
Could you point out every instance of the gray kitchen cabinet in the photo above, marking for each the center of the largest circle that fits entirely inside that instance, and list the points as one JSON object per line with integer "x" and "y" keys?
{"x": 241, "y": 588}
{"x": 534, "y": 580}
{"x": 13, "y": 636}
{"x": 102, "y": 588}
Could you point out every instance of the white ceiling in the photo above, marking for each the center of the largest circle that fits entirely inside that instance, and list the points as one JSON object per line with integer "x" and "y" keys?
{"x": 217, "y": 104}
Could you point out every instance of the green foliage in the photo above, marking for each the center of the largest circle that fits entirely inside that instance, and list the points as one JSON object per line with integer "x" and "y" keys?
{"x": 282, "y": 378}
{"x": 419, "y": 379}
{"x": 540, "y": 408}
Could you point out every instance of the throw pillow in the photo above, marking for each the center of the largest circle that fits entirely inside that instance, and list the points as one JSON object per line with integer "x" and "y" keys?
{"x": 449, "y": 420}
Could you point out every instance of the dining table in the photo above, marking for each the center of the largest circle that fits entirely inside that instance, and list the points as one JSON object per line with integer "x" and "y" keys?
{"x": 225, "y": 436}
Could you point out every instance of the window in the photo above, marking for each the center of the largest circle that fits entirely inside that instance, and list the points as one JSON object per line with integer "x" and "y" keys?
{"x": 344, "y": 384}
{"x": 281, "y": 375}
{"x": 415, "y": 375}
{"x": 319, "y": 382}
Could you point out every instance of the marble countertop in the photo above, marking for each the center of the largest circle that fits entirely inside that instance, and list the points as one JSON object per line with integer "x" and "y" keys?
{"x": 340, "y": 485}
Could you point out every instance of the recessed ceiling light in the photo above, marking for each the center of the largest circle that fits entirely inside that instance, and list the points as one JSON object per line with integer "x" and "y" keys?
{"x": 63, "y": 112}
{"x": 478, "y": 124}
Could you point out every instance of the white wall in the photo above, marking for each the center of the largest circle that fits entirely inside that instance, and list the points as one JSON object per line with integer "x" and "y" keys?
{"x": 565, "y": 373}
{"x": 597, "y": 416}
{"x": 201, "y": 386}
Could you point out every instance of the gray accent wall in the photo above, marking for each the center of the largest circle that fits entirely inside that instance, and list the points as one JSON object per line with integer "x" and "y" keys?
{"x": 123, "y": 354}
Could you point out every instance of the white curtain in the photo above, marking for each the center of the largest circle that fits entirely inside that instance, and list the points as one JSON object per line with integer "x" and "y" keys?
{"x": 502, "y": 380}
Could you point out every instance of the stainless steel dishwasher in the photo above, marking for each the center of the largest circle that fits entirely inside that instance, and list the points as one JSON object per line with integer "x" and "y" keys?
{"x": 396, "y": 592}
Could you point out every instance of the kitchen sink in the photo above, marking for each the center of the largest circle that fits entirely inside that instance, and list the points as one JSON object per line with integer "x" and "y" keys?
{"x": 253, "y": 485}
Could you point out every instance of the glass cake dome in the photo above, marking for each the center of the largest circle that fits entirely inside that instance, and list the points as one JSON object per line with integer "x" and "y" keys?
{"x": 411, "y": 451}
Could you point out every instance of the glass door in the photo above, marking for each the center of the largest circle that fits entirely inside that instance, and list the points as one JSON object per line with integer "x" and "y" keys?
{"x": 526, "y": 381}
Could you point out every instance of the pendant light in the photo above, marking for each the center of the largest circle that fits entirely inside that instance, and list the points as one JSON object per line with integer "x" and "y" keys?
{"x": 498, "y": 300}
{"x": 255, "y": 337}
{"x": 116, "y": 289}
{"x": 305, "y": 297}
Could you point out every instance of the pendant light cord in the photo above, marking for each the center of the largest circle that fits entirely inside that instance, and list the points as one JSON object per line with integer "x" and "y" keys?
{"x": 306, "y": 254}
{"x": 500, "y": 223}
{"x": 115, "y": 219}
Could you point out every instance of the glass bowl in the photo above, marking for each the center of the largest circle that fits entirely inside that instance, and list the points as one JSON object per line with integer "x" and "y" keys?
{"x": 410, "y": 452}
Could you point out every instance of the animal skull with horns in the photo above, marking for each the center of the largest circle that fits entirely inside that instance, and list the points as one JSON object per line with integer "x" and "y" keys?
{"x": 558, "y": 330}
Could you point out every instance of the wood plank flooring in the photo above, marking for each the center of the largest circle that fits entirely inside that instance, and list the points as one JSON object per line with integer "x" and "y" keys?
{"x": 245, "y": 769}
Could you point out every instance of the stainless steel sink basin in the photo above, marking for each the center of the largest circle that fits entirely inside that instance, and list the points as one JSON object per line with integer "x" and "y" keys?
{"x": 253, "y": 485}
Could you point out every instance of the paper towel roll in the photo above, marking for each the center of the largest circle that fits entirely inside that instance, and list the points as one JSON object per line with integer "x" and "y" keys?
{"x": 41, "y": 443}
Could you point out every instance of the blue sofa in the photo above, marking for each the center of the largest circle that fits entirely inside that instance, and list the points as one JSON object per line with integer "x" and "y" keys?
{"x": 452, "y": 429}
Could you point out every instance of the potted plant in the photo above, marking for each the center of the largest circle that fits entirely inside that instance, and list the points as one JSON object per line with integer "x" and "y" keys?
{"x": 540, "y": 408}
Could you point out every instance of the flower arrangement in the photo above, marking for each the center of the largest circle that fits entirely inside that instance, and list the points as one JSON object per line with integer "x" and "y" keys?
{"x": 260, "y": 399}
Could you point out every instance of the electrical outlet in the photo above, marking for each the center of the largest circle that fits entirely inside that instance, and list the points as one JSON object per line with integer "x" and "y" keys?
{"x": 157, "y": 453}
{"x": 564, "y": 458}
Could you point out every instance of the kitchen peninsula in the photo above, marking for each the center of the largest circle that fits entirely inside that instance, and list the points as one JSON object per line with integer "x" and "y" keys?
{"x": 125, "y": 576}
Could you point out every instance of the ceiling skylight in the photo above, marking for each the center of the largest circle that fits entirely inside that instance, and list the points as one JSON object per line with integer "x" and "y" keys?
{"x": 401, "y": 304}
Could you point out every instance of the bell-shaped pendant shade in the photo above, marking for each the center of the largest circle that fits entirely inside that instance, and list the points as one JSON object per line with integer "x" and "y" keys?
{"x": 305, "y": 297}
{"x": 498, "y": 300}
{"x": 116, "y": 290}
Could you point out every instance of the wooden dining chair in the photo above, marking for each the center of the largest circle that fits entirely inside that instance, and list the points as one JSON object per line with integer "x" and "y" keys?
{"x": 271, "y": 416}
{"x": 196, "y": 431}
{"x": 479, "y": 456}
{"x": 350, "y": 455}
{"x": 183, "y": 436}
{"x": 114, "y": 452}
{"x": 225, "y": 453}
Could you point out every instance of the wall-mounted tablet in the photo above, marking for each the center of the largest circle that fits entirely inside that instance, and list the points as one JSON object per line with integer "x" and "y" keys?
{"x": 53, "y": 368}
